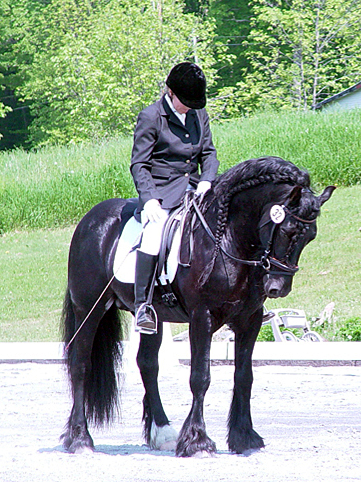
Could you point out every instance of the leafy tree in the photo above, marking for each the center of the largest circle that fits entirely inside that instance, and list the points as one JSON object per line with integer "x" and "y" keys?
{"x": 16, "y": 21}
{"x": 4, "y": 8}
{"x": 232, "y": 18}
{"x": 3, "y": 108}
{"x": 196, "y": 6}
{"x": 232, "y": 28}
{"x": 97, "y": 64}
{"x": 301, "y": 51}
{"x": 232, "y": 25}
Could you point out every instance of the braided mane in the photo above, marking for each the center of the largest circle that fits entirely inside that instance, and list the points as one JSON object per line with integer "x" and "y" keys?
{"x": 244, "y": 176}
{"x": 253, "y": 172}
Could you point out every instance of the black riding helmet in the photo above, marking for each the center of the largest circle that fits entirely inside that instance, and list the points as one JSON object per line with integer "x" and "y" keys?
{"x": 188, "y": 82}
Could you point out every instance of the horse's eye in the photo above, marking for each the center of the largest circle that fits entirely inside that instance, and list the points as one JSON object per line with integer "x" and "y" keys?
{"x": 288, "y": 230}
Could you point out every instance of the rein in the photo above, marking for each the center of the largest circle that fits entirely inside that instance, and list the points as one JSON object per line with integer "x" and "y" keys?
{"x": 266, "y": 261}
{"x": 211, "y": 235}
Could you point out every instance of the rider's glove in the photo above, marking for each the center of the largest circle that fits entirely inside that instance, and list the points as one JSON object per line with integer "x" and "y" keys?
{"x": 153, "y": 210}
{"x": 202, "y": 188}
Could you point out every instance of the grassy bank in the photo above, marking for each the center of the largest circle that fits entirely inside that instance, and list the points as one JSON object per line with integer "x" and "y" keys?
{"x": 56, "y": 186}
{"x": 327, "y": 145}
{"x": 33, "y": 269}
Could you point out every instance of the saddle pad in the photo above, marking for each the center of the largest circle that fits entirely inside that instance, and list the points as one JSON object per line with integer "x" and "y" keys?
{"x": 125, "y": 256}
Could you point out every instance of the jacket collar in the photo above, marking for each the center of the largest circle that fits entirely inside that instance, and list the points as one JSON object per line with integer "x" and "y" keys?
{"x": 167, "y": 111}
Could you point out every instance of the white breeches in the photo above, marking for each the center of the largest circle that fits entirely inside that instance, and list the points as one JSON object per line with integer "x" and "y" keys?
{"x": 152, "y": 233}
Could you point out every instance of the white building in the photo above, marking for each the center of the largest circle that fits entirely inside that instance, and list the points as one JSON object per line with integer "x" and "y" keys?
{"x": 347, "y": 99}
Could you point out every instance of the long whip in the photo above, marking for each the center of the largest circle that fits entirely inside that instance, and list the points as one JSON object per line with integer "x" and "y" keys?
{"x": 136, "y": 245}
{"x": 90, "y": 312}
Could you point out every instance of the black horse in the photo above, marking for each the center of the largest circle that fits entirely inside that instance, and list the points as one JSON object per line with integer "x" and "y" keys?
{"x": 241, "y": 256}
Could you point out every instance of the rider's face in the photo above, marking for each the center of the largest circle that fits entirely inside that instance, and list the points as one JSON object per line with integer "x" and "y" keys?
{"x": 179, "y": 107}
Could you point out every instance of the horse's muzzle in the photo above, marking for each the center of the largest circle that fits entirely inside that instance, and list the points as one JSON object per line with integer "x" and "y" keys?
{"x": 277, "y": 286}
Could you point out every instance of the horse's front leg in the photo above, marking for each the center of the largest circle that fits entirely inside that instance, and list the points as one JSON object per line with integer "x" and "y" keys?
{"x": 193, "y": 437}
{"x": 158, "y": 433}
{"x": 241, "y": 436}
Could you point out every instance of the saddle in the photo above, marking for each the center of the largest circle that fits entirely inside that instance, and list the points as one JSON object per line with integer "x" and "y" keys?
{"x": 130, "y": 240}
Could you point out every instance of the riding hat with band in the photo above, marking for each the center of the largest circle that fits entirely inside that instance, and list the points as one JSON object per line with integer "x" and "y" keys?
{"x": 168, "y": 150}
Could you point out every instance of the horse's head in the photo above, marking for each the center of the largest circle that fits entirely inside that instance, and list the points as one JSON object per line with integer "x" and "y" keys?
{"x": 243, "y": 191}
{"x": 285, "y": 229}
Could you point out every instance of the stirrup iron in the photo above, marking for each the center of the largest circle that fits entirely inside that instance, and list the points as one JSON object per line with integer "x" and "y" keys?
{"x": 144, "y": 329}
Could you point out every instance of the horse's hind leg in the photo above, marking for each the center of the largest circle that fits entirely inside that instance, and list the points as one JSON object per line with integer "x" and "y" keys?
{"x": 241, "y": 436}
{"x": 157, "y": 431}
{"x": 76, "y": 438}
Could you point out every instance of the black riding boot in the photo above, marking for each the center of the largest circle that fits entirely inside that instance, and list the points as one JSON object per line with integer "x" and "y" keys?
{"x": 144, "y": 313}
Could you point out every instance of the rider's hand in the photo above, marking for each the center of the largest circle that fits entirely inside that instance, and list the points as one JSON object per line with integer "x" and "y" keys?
{"x": 202, "y": 188}
{"x": 153, "y": 210}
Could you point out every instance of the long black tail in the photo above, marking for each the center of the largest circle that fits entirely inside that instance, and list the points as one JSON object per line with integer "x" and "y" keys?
{"x": 102, "y": 384}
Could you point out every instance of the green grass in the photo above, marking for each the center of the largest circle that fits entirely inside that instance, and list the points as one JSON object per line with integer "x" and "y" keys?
{"x": 33, "y": 267}
{"x": 327, "y": 145}
{"x": 55, "y": 186}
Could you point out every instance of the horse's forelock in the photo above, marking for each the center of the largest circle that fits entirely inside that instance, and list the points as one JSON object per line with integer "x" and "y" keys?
{"x": 308, "y": 207}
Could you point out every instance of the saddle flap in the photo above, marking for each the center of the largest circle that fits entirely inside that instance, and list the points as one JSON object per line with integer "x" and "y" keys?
{"x": 170, "y": 228}
{"x": 125, "y": 256}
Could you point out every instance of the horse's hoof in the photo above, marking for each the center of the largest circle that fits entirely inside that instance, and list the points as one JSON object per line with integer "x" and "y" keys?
{"x": 83, "y": 451}
{"x": 201, "y": 446}
{"x": 80, "y": 449}
{"x": 203, "y": 455}
{"x": 245, "y": 442}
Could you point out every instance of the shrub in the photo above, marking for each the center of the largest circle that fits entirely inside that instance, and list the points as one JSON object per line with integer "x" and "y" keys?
{"x": 350, "y": 330}
{"x": 266, "y": 334}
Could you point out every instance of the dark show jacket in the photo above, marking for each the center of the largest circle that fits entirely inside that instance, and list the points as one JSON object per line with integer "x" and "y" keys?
{"x": 166, "y": 154}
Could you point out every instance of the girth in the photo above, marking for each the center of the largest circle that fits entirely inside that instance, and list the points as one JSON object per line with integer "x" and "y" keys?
{"x": 169, "y": 230}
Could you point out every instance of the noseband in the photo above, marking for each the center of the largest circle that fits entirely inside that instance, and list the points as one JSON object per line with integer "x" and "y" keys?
{"x": 266, "y": 262}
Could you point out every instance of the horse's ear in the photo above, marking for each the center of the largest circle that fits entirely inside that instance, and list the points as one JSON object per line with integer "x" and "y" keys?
{"x": 294, "y": 197}
{"x": 327, "y": 193}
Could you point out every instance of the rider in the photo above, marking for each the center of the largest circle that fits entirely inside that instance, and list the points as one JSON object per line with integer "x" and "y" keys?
{"x": 172, "y": 143}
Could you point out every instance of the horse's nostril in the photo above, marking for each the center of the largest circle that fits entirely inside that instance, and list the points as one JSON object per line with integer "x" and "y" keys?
{"x": 273, "y": 293}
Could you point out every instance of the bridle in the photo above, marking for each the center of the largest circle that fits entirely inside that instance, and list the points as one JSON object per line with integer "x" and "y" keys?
{"x": 267, "y": 262}
{"x": 281, "y": 268}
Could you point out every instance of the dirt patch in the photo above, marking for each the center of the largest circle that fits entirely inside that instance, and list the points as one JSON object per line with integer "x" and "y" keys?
{"x": 309, "y": 418}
